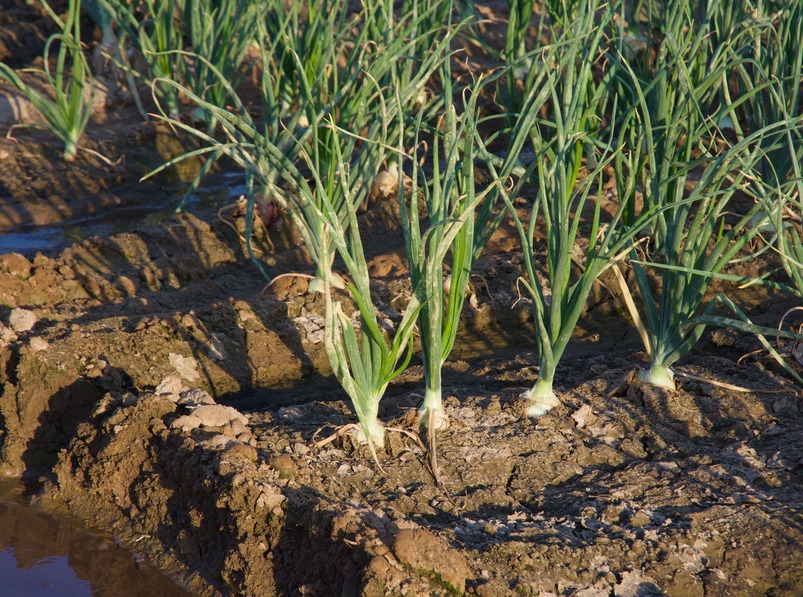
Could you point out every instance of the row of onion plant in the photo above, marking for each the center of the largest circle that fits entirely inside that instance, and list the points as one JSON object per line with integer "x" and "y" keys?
{"x": 319, "y": 166}
{"x": 344, "y": 92}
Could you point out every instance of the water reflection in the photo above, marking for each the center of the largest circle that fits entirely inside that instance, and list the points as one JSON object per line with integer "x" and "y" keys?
{"x": 42, "y": 555}
{"x": 55, "y": 237}
{"x": 46, "y": 577}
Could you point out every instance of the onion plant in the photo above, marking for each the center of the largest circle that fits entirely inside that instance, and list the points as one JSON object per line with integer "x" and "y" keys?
{"x": 426, "y": 20}
{"x": 320, "y": 170}
{"x": 455, "y": 222}
{"x": 66, "y": 106}
{"x": 386, "y": 55}
{"x": 784, "y": 206}
{"x": 676, "y": 96}
{"x": 673, "y": 126}
{"x": 702, "y": 237}
{"x": 519, "y": 77}
{"x": 564, "y": 13}
{"x": 769, "y": 76}
{"x": 154, "y": 30}
{"x": 563, "y": 198}
{"x": 364, "y": 364}
{"x": 221, "y": 31}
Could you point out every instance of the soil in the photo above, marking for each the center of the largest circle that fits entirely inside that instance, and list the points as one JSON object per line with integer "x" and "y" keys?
{"x": 165, "y": 396}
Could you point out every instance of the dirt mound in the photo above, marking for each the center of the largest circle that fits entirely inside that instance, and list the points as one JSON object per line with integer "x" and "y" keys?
{"x": 607, "y": 495}
{"x": 180, "y": 478}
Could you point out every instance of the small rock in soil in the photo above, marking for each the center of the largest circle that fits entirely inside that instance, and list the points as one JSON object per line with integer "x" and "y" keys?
{"x": 15, "y": 265}
{"x": 170, "y": 387}
{"x": 194, "y": 397}
{"x": 38, "y": 344}
{"x": 216, "y": 415}
{"x": 22, "y": 320}
{"x": 284, "y": 465}
{"x": 7, "y": 335}
{"x": 431, "y": 555}
{"x": 186, "y": 423}
{"x": 187, "y": 367}
{"x": 635, "y": 584}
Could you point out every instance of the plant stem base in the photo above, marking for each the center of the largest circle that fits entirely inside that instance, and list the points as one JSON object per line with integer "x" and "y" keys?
{"x": 431, "y": 412}
{"x": 377, "y": 431}
{"x": 433, "y": 418}
{"x": 660, "y": 376}
{"x": 541, "y": 404}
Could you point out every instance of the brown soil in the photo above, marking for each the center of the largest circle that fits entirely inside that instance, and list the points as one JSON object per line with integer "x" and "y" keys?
{"x": 622, "y": 490}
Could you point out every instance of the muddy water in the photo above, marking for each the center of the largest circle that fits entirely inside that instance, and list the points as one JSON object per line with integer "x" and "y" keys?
{"x": 58, "y": 235}
{"x": 42, "y": 555}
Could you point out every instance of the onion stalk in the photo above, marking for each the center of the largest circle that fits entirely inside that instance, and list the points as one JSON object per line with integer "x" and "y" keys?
{"x": 570, "y": 91}
{"x": 460, "y": 220}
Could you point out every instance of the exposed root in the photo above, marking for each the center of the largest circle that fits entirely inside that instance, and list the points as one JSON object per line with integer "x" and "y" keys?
{"x": 286, "y": 275}
{"x": 485, "y": 285}
{"x": 352, "y": 429}
{"x": 228, "y": 222}
{"x": 339, "y": 432}
{"x": 728, "y": 386}
{"x": 432, "y": 452}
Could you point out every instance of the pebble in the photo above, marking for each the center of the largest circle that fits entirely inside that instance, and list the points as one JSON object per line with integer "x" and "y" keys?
{"x": 170, "y": 386}
{"x": 195, "y": 397}
{"x": 640, "y": 519}
{"x": 16, "y": 265}
{"x": 186, "y": 423}
{"x": 217, "y": 442}
{"x": 7, "y": 335}
{"x": 22, "y": 320}
{"x": 38, "y": 344}
{"x": 235, "y": 450}
{"x": 187, "y": 367}
{"x": 239, "y": 428}
{"x": 284, "y": 465}
{"x": 217, "y": 415}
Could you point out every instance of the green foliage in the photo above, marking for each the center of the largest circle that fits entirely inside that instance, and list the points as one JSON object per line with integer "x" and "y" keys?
{"x": 521, "y": 68}
{"x": 66, "y": 104}
{"x": 319, "y": 164}
{"x": 703, "y": 237}
{"x": 564, "y": 201}
{"x": 670, "y": 134}
{"x": 691, "y": 105}
{"x": 448, "y": 194}
{"x": 171, "y": 35}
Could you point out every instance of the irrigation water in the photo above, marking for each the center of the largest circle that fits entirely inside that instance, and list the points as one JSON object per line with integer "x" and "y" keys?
{"x": 47, "y": 555}
{"x": 52, "y": 238}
